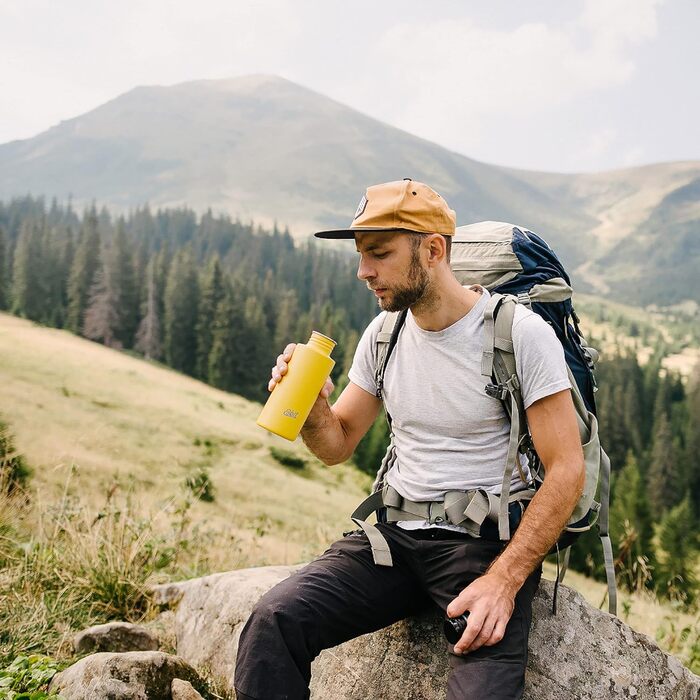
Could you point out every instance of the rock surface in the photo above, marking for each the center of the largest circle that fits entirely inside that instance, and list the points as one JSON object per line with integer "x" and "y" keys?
{"x": 183, "y": 690}
{"x": 133, "y": 675}
{"x": 114, "y": 636}
{"x": 579, "y": 654}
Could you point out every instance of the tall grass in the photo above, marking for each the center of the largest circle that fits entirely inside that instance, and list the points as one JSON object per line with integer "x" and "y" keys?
{"x": 64, "y": 566}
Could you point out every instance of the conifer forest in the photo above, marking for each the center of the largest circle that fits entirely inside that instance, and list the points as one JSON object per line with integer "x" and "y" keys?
{"x": 218, "y": 299}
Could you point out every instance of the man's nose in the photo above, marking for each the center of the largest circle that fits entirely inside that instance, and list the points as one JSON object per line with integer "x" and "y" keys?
{"x": 364, "y": 270}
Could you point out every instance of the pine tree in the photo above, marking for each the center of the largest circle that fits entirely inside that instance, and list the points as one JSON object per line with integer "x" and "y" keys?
{"x": 227, "y": 365}
{"x": 28, "y": 290}
{"x": 662, "y": 477}
{"x": 102, "y": 312}
{"x": 148, "y": 336}
{"x": 212, "y": 291}
{"x": 692, "y": 442}
{"x": 125, "y": 288}
{"x": 678, "y": 541}
{"x": 630, "y": 526}
{"x": 4, "y": 272}
{"x": 83, "y": 271}
{"x": 55, "y": 273}
{"x": 257, "y": 349}
{"x": 287, "y": 317}
{"x": 180, "y": 319}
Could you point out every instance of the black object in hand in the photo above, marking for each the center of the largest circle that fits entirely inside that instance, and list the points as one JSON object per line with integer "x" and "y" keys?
{"x": 454, "y": 627}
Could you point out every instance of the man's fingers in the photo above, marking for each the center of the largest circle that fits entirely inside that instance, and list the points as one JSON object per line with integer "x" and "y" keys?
{"x": 281, "y": 366}
{"x": 474, "y": 626}
{"x": 498, "y": 633}
{"x": 483, "y": 637}
{"x": 327, "y": 389}
{"x": 459, "y": 605}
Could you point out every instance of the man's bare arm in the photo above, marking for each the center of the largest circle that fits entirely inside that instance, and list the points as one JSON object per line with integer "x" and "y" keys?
{"x": 332, "y": 432}
{"x": 490, "y": 599}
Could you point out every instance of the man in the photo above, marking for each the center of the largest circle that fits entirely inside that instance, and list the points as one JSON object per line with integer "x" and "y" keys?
{"x": 449, "y": 436}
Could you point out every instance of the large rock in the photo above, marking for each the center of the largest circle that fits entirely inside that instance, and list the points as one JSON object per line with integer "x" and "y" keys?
{"x": 579, "y": 654}
{"x": 133, "y": 675}
{"x": 114, "y": 636}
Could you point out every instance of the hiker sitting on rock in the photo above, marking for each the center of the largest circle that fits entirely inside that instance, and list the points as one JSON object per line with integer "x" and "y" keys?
{"x": 443, "y": 532}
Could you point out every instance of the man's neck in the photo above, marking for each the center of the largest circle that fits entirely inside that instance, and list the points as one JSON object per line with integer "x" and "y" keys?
{"x": 450, "y": 302}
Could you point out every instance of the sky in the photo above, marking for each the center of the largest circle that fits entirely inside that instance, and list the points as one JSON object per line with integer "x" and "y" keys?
{"x": 577, "y": 86}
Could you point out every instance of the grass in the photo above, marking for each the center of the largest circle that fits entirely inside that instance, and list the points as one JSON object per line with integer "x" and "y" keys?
{"x": 104, "y": 417}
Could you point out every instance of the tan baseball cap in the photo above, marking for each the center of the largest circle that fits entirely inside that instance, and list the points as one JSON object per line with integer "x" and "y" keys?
{"x": 404, "y": 205}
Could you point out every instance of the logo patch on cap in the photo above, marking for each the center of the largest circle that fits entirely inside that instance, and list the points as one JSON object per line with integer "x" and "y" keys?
{"x": 361, "y": 207}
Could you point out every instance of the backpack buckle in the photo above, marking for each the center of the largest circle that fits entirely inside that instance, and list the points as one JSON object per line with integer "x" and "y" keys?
{"x": 496, "y": 391}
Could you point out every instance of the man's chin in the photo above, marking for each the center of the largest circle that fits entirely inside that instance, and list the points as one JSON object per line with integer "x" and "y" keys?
{"x": 389, "y": 305}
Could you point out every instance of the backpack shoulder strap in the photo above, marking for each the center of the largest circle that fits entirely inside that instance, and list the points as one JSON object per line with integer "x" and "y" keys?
{"x": 498, "y": 359}
{"x": 385, "y": 343}
{"x": 386, "y": 340}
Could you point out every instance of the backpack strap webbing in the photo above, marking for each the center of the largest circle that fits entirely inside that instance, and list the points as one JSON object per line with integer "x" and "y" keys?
{"x": 466, "y": 509}
{"x": 603, "y": 529}
{"x": 499, "y": 359}
{"x": 386, "y": 341}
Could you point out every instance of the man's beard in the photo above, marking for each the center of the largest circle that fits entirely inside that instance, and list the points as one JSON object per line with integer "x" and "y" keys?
{"x": 415, "y": 292}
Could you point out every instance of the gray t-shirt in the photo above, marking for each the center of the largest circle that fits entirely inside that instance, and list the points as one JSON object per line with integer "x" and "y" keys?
{"x": 449, "y": 434}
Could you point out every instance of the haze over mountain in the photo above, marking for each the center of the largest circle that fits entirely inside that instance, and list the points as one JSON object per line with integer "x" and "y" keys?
{"x": 264, "y": 148}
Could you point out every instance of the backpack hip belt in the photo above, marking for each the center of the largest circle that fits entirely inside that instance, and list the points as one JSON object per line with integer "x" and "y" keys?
{"x": 467, "y": 509}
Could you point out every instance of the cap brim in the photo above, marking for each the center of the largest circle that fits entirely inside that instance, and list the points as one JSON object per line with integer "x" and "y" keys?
{"x": 350, "y": 232}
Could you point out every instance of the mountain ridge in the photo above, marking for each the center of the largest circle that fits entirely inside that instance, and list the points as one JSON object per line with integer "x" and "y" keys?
{"x": 262, "y": 147}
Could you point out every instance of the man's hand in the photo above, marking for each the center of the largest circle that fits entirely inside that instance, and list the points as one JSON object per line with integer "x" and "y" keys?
{"x": 280, "y": 369}
{"x": 490, "y": 601}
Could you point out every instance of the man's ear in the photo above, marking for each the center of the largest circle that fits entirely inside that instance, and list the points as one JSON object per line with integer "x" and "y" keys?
{"x": 437, "y": 249}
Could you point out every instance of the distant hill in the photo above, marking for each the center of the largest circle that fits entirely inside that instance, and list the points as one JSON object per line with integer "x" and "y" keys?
{"x": 264, "y": 148}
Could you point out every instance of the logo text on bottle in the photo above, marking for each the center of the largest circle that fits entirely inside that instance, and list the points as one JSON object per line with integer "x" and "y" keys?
{"x": 290, "y": 414}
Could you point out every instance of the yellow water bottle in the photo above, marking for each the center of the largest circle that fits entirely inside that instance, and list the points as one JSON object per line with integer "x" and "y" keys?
{"x": 291, "y": 400}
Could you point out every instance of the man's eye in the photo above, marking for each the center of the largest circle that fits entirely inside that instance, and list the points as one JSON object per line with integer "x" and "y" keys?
{"x": 380, "y": 256}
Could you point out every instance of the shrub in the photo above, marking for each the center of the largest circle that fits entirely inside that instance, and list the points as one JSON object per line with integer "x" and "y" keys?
{"x": 13, "y": 467}
{"x": 287, "y": 458}
{"x": 27, "y": 677}
{"x": 201, "y": 486}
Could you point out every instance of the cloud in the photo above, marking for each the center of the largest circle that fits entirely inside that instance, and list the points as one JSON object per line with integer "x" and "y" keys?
{"x": 452, "y": 80}
{"x": 60, "y": 61}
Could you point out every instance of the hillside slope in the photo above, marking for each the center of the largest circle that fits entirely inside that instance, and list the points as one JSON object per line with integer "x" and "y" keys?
{"x": 124, "y": 422}
{"x": 121, "y": 420}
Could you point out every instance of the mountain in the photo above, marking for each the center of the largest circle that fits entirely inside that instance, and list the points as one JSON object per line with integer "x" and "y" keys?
{"x": 262, "y": 147}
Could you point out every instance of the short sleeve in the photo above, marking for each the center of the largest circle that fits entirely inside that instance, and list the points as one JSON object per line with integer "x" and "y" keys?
{"x": 364, "y": 361}
{"x": 539, "y": 357}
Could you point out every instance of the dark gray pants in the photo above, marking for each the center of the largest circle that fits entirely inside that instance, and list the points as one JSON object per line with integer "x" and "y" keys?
{"x": 343, "y": 594}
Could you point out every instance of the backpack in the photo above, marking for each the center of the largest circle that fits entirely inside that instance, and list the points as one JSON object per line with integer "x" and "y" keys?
{"x": 518, "y": 267}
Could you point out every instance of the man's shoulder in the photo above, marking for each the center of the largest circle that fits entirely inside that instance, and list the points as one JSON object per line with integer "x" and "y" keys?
{"x": 526, "y": 322}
